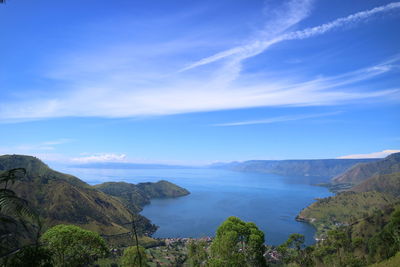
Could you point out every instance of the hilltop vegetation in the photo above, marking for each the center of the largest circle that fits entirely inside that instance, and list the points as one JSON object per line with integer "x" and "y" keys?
{"x": 385, "y": 183}
{"x": 356, "y": 228}
{"x": 61, "y": 198}
{"x": 343, "y": 209}
{"x": 64, "y": 199}
{"x": 136, "y": 196}
{"x": 378, "y": 192}
{"x": 364, "y": 171}
{"x": 363, "y": 220}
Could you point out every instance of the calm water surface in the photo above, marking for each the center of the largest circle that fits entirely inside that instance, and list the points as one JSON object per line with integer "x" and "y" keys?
{"x": 270, "y": 201}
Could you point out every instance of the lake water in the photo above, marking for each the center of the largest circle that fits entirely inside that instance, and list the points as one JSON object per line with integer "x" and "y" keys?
{"x": 270, "y": 201}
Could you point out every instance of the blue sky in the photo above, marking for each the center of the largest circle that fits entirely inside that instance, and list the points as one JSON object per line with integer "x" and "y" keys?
{"x": 194, "y": 82}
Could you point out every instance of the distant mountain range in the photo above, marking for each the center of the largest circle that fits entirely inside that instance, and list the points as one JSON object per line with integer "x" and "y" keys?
{"x": 363, "y": 171}
{"x": 374, "y": 186}
{"x": 316, "y": 167}
{"x": 62, "y": 198}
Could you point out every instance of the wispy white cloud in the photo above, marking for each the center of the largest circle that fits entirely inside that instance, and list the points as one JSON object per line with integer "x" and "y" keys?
{"x": 291, "y": 13}
{"x": 101, "y": 157}
{"x": 380, "y": 154}
{"x": 349, "y": 20}
{"x": 47, "y": 145}
{"x": 105, "y": 100}
{"x": 46, "y": 150}
{"x": 119, "y": 82}
{"x": 279, "y": 119}
{"x": 258, "y": 46}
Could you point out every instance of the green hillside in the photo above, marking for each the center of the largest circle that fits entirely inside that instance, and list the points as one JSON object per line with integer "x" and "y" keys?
{"x": 391, "y": 262}
{"x": 61, "y": 198}
{"x": 64, "y": 199}
{"x": 364, "y": 171}
{"x": 344, "y": 209}
{"x": 136, "y": 196}
{"x": 386, "y": 183}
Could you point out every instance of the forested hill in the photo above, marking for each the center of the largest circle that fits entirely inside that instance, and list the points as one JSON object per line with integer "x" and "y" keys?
{"x": 136, "y": 196}
{"x": 317, "y": 167}
{"x": 385, "y": 183}
{"x": 62, "y": 198}
{"x": 364, "y": 171}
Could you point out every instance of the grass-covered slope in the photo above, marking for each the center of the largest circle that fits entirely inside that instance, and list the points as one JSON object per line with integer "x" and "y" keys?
{"x": 344, "y": 209}
{"x": 391, "y": 262}
{"x": 385, "y": 183}
{"x": 162, "y": 189}
{"x": 61, "y": 198}
{"x": 136, "y": 196}
{"x": 363, "y": 171}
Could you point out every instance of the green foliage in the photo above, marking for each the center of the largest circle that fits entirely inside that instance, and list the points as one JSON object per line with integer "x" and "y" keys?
{"x": 197, "y": 253}
{"x": 386, "y": 243}
{"x": 372, "y": 239}
{"x": 17, "y": 218}
{"x": 62, "y": 198}
{"x": 136, "y": 196}
{"x": 73, "y": 246}
{"x": 31, "y": 256}
{"x": 391, "y": 262}
{"x": 385, "y": 183}
{"x": 10, "y": 203}
{"x": 134, "y": 256}
{"x": 237, "y": 243}
{"x": 344, "y": 209}
{"x": 291, "y": 250}
{"x": 337, "y": 250}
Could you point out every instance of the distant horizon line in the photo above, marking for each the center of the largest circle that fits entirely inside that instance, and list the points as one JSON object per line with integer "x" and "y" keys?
{"x": 160, "y": 164}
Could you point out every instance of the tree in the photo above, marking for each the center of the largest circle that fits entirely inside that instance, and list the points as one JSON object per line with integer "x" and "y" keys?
{"x": 31, "y": 256}
{"x": 74, "y": 246}
{"x": 17, "y": 218}
{"x": 10, "y": 204}
{"x": 197, "y": 253}
{"x": 386, "y": 243}
{"x": 237, "y": 243}
{"x": 291, "y": 250}
{"x": 132, "y": 258}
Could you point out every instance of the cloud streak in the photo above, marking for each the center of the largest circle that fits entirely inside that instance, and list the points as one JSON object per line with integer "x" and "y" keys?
{"x": 278, "y": 119}
{"x": 119, "y": 83}
{"x": 372, "y": 155}
{"x": 102, "y": 157}
{"x": 259, "y": 46}
{"x": 47, "y": 145}
{"x": 104, "y": 100}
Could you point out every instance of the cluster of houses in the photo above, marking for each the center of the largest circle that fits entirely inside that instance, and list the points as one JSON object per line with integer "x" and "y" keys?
{"x": 183, "y": 240}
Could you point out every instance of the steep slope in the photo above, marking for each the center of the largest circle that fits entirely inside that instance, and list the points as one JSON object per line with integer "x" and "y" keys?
{"x": 62, "y": 198}
{"x": 318, "y": 167}
{"x": 385, "y": 183}
{"x": 391, "y": 262}
{"x": 363, "y": 171}
{"x": 136, "y": 196}
{"x": 344, "y": 208}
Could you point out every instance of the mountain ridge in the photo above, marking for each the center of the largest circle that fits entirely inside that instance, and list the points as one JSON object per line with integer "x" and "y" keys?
{"x": 307, "y": 167}
{"x": 364, "y": 171}
{"x": 62, "y": 198}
